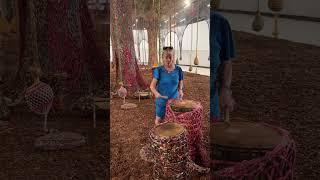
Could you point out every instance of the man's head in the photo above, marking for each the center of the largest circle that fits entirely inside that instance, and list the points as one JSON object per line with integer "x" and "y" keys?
{"x": 168, "y": 56}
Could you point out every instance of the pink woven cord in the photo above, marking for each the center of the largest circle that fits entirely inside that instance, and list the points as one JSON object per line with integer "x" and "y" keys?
{"x": 277, "y": 164}
{"x": 192, "y": 121}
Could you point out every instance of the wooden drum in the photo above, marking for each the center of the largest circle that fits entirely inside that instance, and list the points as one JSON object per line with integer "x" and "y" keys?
{"x": 242, "y": 141}
{"x": 170, "y": 151}
{"x": 246, "y": 150}
{"x": 183, "y": 105}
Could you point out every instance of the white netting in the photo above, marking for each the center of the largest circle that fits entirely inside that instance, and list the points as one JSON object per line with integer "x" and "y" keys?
{"x": 39, "y": 98}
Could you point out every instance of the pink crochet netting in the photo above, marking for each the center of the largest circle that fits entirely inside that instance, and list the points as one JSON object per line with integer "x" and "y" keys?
{"x": 277, "y": 164}
{"x": 192, "y": 121}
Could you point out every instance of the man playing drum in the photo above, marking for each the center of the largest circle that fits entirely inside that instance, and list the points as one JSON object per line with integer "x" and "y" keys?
{"x": 167, "y": 83}
{"x": 221, "y": 53}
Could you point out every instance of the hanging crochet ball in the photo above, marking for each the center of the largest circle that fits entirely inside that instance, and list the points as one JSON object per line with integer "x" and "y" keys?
{"x": 258, "y": 22}
{"x": 122, "y": 92}
{"x": 39, "y": 98}
{"x": 275, "y": 5}
{"x": 196, "y": 61}
{"x": 190, "y": 68}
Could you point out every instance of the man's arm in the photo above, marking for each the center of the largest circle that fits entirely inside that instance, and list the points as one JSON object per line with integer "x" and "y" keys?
{"x": 227, "y": 75}
{"x": 154, "y": 89}
{"x": 226, "y": 100}
{"x": 181, "y": 89}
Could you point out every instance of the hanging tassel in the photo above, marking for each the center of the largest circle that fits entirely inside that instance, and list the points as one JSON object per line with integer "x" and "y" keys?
{"x": 275, "y": 32}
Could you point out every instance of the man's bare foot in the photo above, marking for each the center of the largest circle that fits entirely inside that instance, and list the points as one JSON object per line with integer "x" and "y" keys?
{"x": 157, "y": 122}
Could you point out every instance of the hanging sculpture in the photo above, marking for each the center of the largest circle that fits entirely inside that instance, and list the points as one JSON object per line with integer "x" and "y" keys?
{"x": 39, "y": 96}
{"x": 122, "y": 39}
{"x": 153, "y": 35}
{"x": 276, "y": 6}
{"x": 196, "y": 60}
{"x": 159, "y": 32}
{"x": 190, "y": 67}
{"x": 258, "y": 22}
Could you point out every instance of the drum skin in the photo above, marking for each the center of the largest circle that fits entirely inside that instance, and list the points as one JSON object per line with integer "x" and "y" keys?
{"x": 242, "y": 141}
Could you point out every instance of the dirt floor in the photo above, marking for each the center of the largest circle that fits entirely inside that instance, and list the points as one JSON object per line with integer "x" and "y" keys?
{"x": 21, "y": 161}
{"x": 274, "y": 81}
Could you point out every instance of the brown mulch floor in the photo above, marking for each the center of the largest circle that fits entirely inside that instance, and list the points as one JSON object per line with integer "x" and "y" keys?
{"x": 277, "y": 82}
{"x": 274, "y": 81}
{"x": 20, "y": 160}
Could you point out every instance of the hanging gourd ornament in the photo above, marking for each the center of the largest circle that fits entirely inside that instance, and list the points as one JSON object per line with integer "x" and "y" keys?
{"x": 196, "y": 61}
{"x": 258, "y": 22}
{"x": 275, "y": 5}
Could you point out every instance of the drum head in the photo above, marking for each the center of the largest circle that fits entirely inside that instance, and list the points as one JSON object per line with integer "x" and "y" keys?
{"x": 183, "y": 105}
{"x": 245, "y": 135}
{"x": 168, "y": 130}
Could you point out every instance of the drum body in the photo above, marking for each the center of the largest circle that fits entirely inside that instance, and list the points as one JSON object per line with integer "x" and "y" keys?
{"x": 242, "y": 141}
{"x": 170, "y": 151}
{"x": 251, "y": 151}
{"x": 189, "y": 114}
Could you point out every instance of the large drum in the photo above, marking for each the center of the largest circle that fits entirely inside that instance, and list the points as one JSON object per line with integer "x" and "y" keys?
{"x": 189, "y": 114}
{"x": 170, "y": 151}
{"x": 183, "y": 105}
{"x": 251, "y": 151}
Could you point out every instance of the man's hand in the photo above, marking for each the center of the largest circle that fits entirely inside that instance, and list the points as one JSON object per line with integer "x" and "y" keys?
{"x": 158, "y": 95}
{"x": 181, "y": 94}
{"x": 226, "y": 100}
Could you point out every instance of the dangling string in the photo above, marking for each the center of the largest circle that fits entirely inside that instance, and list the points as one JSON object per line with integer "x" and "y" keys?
{"x": 175, "y": 31}
{"x": 155, "y": 62}
{"x": 159, "y": 12}
{"x": 137, "y": 30}
{"x": 197, "y": 29}
{"x": 196, "y": 60}
{"x": 190, "y": 68}
{"x": 170, "y": 29}
{"x": 144, "y": 46}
